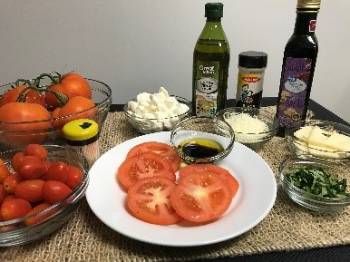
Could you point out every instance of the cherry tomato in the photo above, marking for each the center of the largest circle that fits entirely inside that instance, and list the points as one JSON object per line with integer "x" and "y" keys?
{"x": 4, "y": 172}
{"x": 78, "y": 107}
{"x": 200, "y": 197}
{"x": 148, "y": 200}
{"x": 32, "y": 167}
{"x": 3, "y": 193}
{"x": 36, "y": 215}
{"x": 11, "y": 182}
{"x": 57, "y": 171}
{"x": 31, "y": 96}
{"x": 23, "y": 122}
{"x": 229, "y": 180}
{"x": 17, "y": 161}
{"x": 161, "y": 149}
{"x": 55, "y": 191}
{"x": 15, "y": 208}
{"x": 36, "y": 150}
{"x": 71, "y": 85}
{"x": 74, "y": 176}
{"x": 30, "y": 190}
{"x": 143, "y": 166}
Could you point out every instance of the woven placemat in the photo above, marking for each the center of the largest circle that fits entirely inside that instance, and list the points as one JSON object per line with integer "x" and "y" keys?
{"x": 85, "y": 238}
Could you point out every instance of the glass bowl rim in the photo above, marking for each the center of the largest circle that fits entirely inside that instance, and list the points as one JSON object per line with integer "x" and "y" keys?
{"x": 256, "y": 111}
{"x": 286, "y": 185}
{"x": 178, "y": 98}
{"x": 57, "y": 206}
{"x": 219, "y": 156}
{"x": 108, "y": 92}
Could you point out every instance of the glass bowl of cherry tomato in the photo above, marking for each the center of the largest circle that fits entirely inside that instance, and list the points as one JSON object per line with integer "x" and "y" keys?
{"x": 34, "y": 111}
{"x": 40, "y": 187}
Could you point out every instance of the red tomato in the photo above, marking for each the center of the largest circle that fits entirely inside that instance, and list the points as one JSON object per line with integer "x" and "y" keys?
{"x": 15, "y": 208}
{"x": 35, "y": 118}
{"x": 55, "y": 191}
{"x": 36, "y": 215}
{"x": 17, "y": 161}
{"x": 57, "y": 171}
{"x": 36, "y": 150}
{"x": 31, "y": 96}
{"x": 161, "y": 149}
{"x": 143, "y": 166}
{"x": 3, "y": 193}
{"x": 30, "y": 190}
{"x": 11, "y": 182}
{"x": 148, "y": 200}
{"x": 78, "y": 107}
{"x": 229, "y": 180}
{"x": 4, "y": 172}
{"x": 74, "y": 177}
{"x": 32, "y": 167}
{"x": 201, "y": 197}
{"x": 50, "y": 98}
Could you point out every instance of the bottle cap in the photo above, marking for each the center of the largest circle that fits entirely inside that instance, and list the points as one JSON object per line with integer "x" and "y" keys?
{"x": 252, "y": 59}
{"x": 309, "y": 4}
{"x": 80, "y": 129}
{"x": 214, "y": 10}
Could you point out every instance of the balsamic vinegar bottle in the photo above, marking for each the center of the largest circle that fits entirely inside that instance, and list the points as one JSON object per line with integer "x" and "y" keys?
{"x": 298, "y": 67}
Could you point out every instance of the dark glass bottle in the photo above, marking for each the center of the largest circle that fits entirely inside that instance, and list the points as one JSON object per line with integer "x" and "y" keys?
{"x": 211, "y": 58}
{"x": 298, "y": 67}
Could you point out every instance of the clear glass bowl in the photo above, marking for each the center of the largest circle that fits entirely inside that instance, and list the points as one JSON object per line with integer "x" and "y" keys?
{"x": 300, "y": 147}
{"x": 254, "y": 140}
{"x": 13, "y": 134}
{"x": 306, "y": 199}
{"x": 16, "y": 232}
{"x": 146, "y": 125}
{"x": 203, "y": 127}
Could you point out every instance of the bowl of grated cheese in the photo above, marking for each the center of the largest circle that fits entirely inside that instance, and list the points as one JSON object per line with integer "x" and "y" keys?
{"x": 253, "y": 127}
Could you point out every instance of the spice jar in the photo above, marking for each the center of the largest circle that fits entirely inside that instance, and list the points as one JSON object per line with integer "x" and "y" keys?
{"x": 252, "y": 66}
{"x": 82, "y": 135}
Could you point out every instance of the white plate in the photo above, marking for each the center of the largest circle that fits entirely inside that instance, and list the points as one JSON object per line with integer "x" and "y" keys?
{"x": 254, "y": 199}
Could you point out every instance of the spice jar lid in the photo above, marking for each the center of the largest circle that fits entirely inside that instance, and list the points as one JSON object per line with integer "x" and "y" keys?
{"x": 214, "y": 10}
{"x": 80, "y": 129}
{"x": 252, "y": 59}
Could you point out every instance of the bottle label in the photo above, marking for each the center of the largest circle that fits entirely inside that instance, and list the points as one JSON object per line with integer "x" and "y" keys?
{"x": 294, "y": 83}
{"x": 207, "y": 82}
{"x": 312, "y": 26}
{"x": 249, "y": 89}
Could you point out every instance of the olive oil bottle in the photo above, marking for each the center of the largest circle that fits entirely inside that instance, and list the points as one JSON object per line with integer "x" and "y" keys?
{"x": 211, "y": 58}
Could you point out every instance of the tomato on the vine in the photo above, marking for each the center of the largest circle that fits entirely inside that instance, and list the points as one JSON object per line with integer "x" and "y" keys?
{"x": 29, "y": 95}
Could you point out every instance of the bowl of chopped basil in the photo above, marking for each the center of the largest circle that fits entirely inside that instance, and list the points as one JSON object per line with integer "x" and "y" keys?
{"x": 316, "y": 184}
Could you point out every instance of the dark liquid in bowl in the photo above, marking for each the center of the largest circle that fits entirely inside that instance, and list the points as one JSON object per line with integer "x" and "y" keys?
{"x": 200, "y": 148}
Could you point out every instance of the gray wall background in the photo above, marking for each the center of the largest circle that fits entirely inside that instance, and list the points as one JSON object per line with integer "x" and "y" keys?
{"x": 140, "y": 45}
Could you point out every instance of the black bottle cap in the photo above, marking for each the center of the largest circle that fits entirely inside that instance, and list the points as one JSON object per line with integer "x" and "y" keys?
{"x": 214, "y": 10}
{"x": 252, "y": 59}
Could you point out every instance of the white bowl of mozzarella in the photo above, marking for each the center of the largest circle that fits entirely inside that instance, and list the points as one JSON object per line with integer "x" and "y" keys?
{"x": 154, "y": 112}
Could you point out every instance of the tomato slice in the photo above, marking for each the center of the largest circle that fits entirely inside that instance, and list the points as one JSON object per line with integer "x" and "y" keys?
{"x": 143, "y": 166}
{"x": 158, "y": 148}
{"x": 200, "y": 197}
{"x": 148, "y": 200}
{"x": 230, "y": 181}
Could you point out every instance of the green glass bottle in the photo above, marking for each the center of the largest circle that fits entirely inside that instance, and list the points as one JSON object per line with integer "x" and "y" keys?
{"x": 211, "y": 59}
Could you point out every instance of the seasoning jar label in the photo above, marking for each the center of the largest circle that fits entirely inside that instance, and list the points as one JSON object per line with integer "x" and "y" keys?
{"x": 249, "y": 89}
{"x": 294, "y": 82}
{"x": 207, "y": 82}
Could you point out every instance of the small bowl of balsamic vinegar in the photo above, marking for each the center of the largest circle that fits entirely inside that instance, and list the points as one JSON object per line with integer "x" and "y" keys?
{"x": 202, "y": 139}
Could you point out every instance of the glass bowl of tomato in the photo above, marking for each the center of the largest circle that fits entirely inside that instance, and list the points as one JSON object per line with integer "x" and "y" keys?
{"x": 34, "y": 111}
{"x": 40, "y": 187}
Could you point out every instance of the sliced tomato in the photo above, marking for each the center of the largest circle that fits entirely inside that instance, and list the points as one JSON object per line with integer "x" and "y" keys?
{"x": 143, "y": 166}
{"x": 230, "y": 181}
{"x": 201, "y": 197}
{"x": 158, "y": 148}
{"x": 148, "y": 200}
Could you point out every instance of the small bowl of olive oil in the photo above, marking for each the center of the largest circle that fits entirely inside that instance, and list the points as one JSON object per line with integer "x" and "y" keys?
{"x": 202, "y": 139}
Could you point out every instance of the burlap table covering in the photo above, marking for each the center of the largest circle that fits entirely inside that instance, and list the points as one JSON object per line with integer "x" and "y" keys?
{"x": 85, "y": 238}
